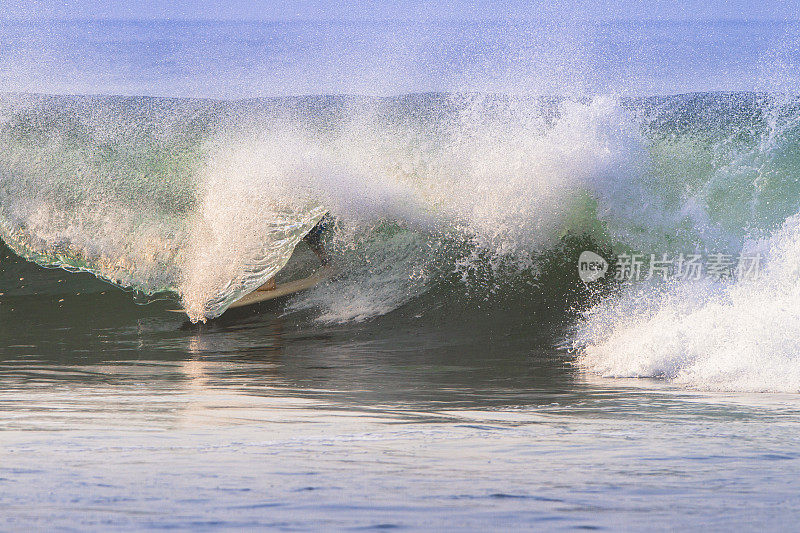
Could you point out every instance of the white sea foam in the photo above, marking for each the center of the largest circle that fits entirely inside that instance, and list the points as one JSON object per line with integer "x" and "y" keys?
{"x": 739, "y": 335}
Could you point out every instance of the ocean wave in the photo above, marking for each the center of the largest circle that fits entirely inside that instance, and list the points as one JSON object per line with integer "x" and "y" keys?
{"x": 432, "y": 193}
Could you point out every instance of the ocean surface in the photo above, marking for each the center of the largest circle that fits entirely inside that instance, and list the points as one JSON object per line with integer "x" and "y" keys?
{"x": 567, "y": 275}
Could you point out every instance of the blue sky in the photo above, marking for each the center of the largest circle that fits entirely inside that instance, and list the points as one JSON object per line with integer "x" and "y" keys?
{"x": 424, "y": 10}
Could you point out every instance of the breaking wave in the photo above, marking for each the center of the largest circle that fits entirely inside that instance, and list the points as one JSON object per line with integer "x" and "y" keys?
{"x": 436, "y": 198}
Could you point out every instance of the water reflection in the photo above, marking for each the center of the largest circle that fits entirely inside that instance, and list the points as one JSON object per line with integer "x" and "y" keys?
{"x": 397, "y": 365}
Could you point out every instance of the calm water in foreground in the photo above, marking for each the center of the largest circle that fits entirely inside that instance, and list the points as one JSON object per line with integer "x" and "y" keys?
{"x": 120, "y": 417}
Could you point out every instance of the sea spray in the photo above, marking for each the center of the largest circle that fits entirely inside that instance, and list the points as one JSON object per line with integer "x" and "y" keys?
{"x": 727, "y": 334}
{"x": 735, "y": 333}
{"x": 208, "y": 199}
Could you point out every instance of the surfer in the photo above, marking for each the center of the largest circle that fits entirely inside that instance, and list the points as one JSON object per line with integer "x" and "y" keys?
{"x": 314, "y": 241}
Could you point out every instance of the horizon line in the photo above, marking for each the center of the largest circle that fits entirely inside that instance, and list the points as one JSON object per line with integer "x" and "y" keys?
{"x": 312, "y": 20}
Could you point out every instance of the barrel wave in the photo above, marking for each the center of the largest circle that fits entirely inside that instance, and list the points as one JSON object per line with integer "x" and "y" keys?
{"x": 440, "y": 201}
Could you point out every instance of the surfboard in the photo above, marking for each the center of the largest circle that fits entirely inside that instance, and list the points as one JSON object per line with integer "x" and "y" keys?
{"x": 284, "y": 289}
